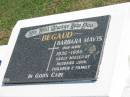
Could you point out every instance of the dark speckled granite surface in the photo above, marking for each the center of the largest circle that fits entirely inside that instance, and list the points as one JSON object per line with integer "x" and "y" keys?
{"x": 37, "y": 61}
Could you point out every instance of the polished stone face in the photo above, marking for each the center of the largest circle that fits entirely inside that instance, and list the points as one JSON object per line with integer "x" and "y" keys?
{"x": 0, "y": 62}
{"x": 61, "y": 52}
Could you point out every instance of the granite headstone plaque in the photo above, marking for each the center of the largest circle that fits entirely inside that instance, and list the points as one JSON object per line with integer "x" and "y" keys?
{"x": 0, "y": 62}
{"x": 59, "y": 52}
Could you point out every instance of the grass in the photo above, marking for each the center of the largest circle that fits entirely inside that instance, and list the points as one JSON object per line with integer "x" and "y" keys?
{"x": 13, "y": 10}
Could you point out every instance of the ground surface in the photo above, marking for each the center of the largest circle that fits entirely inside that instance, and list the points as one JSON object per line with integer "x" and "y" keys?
{"x": 14, "y": 10}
